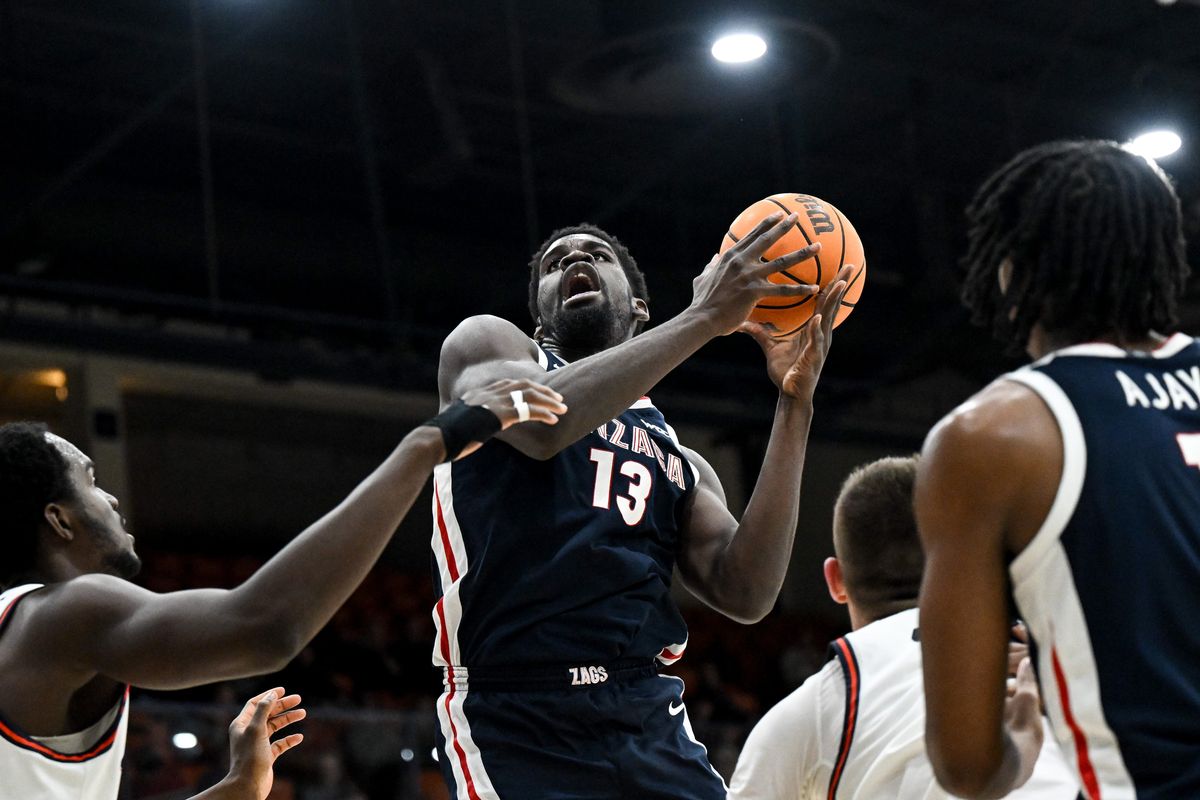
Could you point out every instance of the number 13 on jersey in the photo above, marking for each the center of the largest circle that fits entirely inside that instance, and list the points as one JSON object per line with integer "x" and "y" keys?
{"x": 632, "y": 504}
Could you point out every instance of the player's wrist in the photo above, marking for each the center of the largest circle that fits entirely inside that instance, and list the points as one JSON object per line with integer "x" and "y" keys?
{"x": 461, "y": 424}
{"x": 234, "y": 786}
{"x": 795, "y": 408}
{"x": 703, "y": 319}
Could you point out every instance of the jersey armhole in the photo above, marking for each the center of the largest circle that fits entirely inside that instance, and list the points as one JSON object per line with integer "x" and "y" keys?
{"x": 848, "y": 660}
{"x": 1070, "y": 484}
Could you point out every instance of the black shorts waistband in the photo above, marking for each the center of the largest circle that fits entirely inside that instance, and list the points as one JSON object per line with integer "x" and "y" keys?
{"x": 543, "y": 677}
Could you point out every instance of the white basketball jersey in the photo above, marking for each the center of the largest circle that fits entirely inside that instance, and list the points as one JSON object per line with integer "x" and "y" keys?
{"x": 856, "y": 731}
{"x": 42, "y": 768}
{"x": 882, "y": 752}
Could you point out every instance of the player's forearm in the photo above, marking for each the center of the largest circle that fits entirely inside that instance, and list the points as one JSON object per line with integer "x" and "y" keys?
{"x": 755, "y": 563}
{"x": 298, "y": 590}
{"x": 600, "y": 387}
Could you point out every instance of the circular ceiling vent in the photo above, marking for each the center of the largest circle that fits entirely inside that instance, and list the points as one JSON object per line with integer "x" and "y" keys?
{"x": 671, "y": 71}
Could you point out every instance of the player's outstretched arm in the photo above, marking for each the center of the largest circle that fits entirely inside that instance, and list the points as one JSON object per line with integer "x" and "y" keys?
{"x": 981, "y": 491}
{"x": 601, "y": 386}
{"x": 99, "y": 624}
{"x": 252, "y": 754}
{"x": 738, "y": 567}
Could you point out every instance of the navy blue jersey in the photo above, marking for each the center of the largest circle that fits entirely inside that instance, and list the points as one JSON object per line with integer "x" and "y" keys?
{"x": 1110, "y": 585}
{"x": 563, "y": 561}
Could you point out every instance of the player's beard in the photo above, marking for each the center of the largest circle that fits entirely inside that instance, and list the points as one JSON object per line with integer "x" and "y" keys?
{"x": 587, "y": 329}
{"x": 123, "y": 563}
{"x": 119, "y": 558}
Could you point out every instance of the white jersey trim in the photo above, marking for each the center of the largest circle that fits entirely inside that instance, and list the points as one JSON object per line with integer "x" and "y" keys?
{"x": 466, "y": 761}
{"x": 1045, "y": 593}
{"x": 1074, "y": 468}
{"x": 1173, "y": 346}
{"x": 450, "y": 550}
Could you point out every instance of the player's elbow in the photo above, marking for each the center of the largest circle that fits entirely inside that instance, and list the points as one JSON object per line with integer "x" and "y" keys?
{"x": 744, "y": 608}
{"x": 969, "y": 776}
{"x": 269, "y": 646}
{"x": 752, "y": 614}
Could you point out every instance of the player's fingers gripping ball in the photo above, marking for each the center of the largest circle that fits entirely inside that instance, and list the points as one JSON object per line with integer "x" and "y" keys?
{"x": 818, "y": 221}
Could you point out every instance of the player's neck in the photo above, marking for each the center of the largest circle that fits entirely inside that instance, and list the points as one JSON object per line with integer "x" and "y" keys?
{"x": 1041, "y": 342}
{"x": 567, "y": 353}
{"x": 53, "y": 568}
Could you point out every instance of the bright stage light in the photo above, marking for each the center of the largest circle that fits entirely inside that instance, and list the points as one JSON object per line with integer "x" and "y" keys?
{"x": 184, "y": 740}
{"x": 738, "y": 48}
{"x": 1155, "y": 144}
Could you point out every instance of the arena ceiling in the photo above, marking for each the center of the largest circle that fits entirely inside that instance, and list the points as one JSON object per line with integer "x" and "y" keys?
{"x": 325, "y": 187}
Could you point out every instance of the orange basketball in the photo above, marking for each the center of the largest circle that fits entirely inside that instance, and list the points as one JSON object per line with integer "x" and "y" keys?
{"x": 819, "y": 222}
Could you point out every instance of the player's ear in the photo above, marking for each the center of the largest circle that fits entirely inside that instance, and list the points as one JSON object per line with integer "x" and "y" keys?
{"x": 59, "y": 520}
{"x": 641, "y": 311}
{"x": 835, "y": 582}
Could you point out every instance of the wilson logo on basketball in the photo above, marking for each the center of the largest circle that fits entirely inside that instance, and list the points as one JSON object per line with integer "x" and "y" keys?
{"x": 818, "y": 217}
{"x": 817, "y": 220}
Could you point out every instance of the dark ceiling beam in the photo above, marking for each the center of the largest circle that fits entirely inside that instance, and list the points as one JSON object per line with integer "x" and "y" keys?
{"x": 182, "y": 42}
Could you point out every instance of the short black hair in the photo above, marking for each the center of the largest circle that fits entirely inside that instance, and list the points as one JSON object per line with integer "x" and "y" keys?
{"x": 33, "y": 474}
{"x": 637, "y": 281}
{"x": 1095, "y": 237}
{"x": 875, "y": 537}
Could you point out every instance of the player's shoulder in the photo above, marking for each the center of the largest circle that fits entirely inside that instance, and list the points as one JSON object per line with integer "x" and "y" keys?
{"x": 1005, "y": 415}
{"x": 485, "y": 337}
{"x": 794, "y": 740}
{"x": 50, "y": 620}
{"x": 802, "y": 709}
{"x": 86, "y": 596}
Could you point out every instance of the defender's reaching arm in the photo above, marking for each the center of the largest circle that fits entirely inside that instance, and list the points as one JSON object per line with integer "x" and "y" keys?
{"x": 99, "y": 624}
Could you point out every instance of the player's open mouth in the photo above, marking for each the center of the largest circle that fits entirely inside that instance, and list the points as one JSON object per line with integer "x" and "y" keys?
{"x": 580, "y": 284}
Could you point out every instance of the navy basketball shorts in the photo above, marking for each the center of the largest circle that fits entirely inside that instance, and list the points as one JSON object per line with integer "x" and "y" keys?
{"x": 626, "y": 736}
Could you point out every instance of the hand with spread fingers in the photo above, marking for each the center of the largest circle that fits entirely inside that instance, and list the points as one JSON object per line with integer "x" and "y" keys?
{"x": 795, "y": 364}
{"x": 734, "y": 281}
{"x": 252, "y": 752}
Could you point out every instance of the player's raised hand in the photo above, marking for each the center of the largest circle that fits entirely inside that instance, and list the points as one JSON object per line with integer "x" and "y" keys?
{"x": 734, "y": 281}
{"x": 514, "y": 401}
{"x": 252, "y": 754}
{"x": 795, "y": 364}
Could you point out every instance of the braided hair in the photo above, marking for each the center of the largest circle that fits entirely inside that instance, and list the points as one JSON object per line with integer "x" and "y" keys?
{"x": 1094, "y": 235}
{"x": 637, "y": 281}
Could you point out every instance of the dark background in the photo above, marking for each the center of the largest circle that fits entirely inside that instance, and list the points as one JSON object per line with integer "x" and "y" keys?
{"x": 241, "y": 230}
{"x": 358, "y": 176}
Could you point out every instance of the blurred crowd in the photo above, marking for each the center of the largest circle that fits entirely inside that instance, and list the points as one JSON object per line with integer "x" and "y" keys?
{"x": 370, "y": 689}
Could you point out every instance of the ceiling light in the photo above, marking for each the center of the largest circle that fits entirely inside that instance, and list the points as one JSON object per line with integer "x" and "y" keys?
{"x": 738, "y": 48}
{"x": 184, "y": 740}
{"x": 1155, "y": 144}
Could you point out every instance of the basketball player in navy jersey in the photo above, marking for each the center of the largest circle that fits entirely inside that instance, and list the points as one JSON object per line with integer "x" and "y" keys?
{"x": 75, "y": 633}
{"x": 1070, "y": 488}
{"x": 555, "y": 546}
